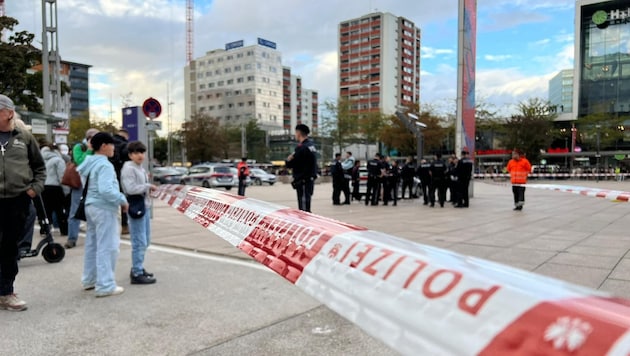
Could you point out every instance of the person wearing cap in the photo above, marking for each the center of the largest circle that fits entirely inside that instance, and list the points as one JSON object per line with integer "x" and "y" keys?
{"x": 519, "y": 168}
{"x": 103, "y": 200}
{"x": 303, "y": 161}
{"x": 80, "y": 152}
{"x": 464, "y": 174}
{"x": 23, "y": 174}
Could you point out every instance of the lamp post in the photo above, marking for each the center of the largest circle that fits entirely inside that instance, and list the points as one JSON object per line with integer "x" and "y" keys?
{"x": 414, "y": 125}
{"x": 598, "y": 127}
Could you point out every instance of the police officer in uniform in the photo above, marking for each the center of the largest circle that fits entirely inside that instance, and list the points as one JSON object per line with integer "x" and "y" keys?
{"x": 425, "y": 179}
{"x": 304, "y": 164}
{"x": 464, "y": 174}
{"x": 438, "y": 180}
{"x": 374, "y": 179}
{"x": 407, "y": 173}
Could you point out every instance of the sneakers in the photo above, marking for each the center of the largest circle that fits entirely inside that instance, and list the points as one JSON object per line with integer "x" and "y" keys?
{"x": 142, "y": 279}
{"x": 70, "y": 244}
{"x": 12, "y": 302}
{"x": 118, "y": 290}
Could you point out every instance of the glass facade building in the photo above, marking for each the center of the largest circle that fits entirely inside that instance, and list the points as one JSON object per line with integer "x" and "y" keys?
{"x": 602, "y": 57}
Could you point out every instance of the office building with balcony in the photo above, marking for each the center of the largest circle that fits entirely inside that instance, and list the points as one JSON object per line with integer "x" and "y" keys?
{"x": 379, "y": 62}
{"x": 300, "y": 106}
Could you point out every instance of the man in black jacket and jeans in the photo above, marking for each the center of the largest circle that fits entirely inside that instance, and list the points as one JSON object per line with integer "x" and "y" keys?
{"x": 304, "y": 164}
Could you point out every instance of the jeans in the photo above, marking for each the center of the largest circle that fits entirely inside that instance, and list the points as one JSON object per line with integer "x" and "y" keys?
{"x": 140, "y": 232}
{"x": 102, "y": 246}
{"x": 73, "y": 224}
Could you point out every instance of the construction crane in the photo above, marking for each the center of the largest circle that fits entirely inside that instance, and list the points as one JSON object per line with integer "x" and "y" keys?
{"x": 190, "y": 12}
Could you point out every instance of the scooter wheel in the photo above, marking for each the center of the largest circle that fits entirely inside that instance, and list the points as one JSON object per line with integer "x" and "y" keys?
{"x": 53, "y": 253}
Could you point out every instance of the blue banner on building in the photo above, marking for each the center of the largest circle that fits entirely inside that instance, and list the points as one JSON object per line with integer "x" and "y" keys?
{"x": 232, "y": 45}
{"x": 266, "y": 43}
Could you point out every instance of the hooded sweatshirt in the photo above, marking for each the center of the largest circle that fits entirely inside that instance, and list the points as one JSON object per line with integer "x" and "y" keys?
{"x": 55, "y": 166}
{"x": 103, "y": 189}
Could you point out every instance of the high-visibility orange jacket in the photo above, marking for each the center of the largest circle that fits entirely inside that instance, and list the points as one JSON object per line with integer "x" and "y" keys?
{"x": 243, "y": 170}
{"x": 519, "y": 169}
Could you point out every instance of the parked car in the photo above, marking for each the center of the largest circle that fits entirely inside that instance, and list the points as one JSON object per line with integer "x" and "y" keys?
{"x": 259, "y": 176}
{"x": 210, "y": 176}
{"x": 166, "y": 175}
{"x": 248, "y": 180}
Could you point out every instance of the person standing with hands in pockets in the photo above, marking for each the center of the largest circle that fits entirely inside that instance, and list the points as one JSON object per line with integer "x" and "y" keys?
{"x": 102, "y": 240}
{"x": 135, "y": 181}
{"x": 304, "y": 164}
{"x": 22, "y": 176}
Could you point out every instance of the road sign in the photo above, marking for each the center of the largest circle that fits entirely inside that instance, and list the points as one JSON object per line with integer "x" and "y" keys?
{"x": 154, "y": 125}
{"x": 151, "y": 108}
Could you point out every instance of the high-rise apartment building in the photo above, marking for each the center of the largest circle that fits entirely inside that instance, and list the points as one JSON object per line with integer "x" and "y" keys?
{"x": 300, "y": 105}
{"x": 237, "y": 84}
{"x": 379, "y": 62}
{"x": 561, "y": 91}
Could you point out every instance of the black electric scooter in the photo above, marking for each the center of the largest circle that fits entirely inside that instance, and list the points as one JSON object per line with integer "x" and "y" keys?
{"x": 51, "y": 251}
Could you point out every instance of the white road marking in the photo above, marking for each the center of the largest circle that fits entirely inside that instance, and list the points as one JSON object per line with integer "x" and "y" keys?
{"x": 204, "y": 256}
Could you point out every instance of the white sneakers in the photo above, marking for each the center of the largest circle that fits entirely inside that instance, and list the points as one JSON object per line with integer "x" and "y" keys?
{"x": 118, "y": 290}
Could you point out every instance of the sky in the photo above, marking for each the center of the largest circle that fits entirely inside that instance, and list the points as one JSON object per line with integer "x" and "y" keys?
{"x": 137, "y": 49}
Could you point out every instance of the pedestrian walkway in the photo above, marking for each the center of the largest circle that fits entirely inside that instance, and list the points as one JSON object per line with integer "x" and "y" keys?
{"x": 574, "y": 238}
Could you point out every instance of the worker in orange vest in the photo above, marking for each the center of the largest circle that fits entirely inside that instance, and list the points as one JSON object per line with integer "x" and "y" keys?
{"x": 243, "y": 172}
{"x": 519, "y": 168}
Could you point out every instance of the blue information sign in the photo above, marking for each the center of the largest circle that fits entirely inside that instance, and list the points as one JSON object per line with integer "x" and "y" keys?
{"x": 266, "y": 43}
{"x": 232, "y": 45}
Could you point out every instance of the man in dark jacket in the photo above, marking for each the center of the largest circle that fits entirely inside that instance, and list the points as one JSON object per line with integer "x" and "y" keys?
{"x": 303, "y": 161}
{"x": 425, "y": 179}
{"x": 464, "y": 174}
{"x": 375, "y": 172}
{"x": 337, "y": 173}
{"x": 407, "y": 173}
{"x": 22, "y": 178}
{"x": 438, "y": 180}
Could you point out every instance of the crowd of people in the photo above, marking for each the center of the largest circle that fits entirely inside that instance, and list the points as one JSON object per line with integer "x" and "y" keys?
{"x": 110, "y": 174}
{"x": 386, "y": 177}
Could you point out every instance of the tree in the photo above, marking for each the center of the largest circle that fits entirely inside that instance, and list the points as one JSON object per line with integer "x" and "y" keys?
{"x": 78, "y": 127}
{"x": 203, "y": 138}
{"x": 370, "y": 125}
{"x": 395, "y": 134}
{"x": 340, "y": 123}
{"x": 531, "y": 129}
{"x": 17, "y": 56}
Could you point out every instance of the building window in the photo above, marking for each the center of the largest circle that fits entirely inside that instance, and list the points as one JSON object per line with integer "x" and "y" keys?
{"x": 239, "y": 80}
{"x": 250, "y": 78}
{"x": 227, "y": 70}
{"x": 237, "y": 68}
{"x": 220, "y": 83}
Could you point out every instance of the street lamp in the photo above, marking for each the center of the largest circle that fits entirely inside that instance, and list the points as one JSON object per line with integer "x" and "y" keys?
{"x": 411, "y": 121}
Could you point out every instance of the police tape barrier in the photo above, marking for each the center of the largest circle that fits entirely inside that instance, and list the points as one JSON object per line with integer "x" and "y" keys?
{"x": 615, "y": 195}
{"x": 618, "y": 176}
{"x": 418, "y": 299}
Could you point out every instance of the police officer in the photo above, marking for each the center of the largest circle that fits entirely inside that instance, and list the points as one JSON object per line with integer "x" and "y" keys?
{"x": 407, "y": 173}
{"x": 425, "y": 179}
{"x": 464, "y": 174}
{"x": 373, "y": 183}
{"x": 393, "y": 178}
{"x": 304, "y": 164}
{"x": 336, "y": 171}
{"x": 438, "y": 180}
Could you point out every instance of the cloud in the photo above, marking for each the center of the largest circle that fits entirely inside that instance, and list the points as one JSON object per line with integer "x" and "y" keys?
{"x": 497, "y": 58}
{"x": 430, "y": 52}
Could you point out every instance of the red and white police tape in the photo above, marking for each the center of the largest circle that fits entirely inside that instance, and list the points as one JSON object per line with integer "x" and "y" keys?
{"x": 418, "y": 299}
{"x": 615, "y": 195}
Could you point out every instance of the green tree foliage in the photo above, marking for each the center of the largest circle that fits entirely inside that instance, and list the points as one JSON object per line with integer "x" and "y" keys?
{"x": 604, "y": 124}
{"x": 203, "y": 138}
{"x": 395, "y": 134}
{"x": 78, "y": 127}
{"x": 370, "y": 125}
{"x": 531, "y": 129}
{"x": 16, "y": 57}
{"x": 340, "y": 123}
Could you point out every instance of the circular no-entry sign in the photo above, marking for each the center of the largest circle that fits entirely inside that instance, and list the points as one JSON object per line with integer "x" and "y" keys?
{"x": 151, "y": 108}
